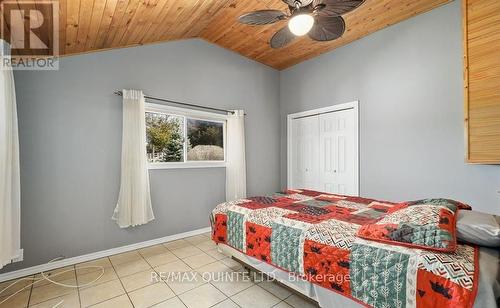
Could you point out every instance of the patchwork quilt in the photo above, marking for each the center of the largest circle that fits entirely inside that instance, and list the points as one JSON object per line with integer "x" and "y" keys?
{"x": 378, "y": 253}
{"x": 425, "y": 226}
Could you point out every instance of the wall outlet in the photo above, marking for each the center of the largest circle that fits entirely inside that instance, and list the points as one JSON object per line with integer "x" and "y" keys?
{"x": 20, "y": 257}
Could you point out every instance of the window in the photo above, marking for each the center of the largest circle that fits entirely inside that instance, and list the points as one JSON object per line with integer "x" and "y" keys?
{"x": 182, "y": 138}
{"x": 205, "y": 140}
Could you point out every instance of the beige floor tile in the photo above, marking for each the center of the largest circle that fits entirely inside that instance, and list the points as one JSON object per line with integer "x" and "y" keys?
{"x": 282, "y": 305}
{"x": 206, "y": 245}
{"x": 20, "y": 300}
{"x": 202, "y": 297}
{"x": 139, "y": 280}
{"x": 234, "y": 265}
{"x": 255, "y": 297}
{"x": 187, "y": 251}
{"x": 151, "y": 295}
{"x": 125, "y": 257}
{"x": 121, "y": 301}
{"x": 196, "y": 239}
{"x": 129, "y": 268}
{"x": 19, "y": 285}
{"x": 70, "y": 300}
{"x": 153, "y": 250}
{"x": 226, "y": 304}
{"x": 85, "y": 279}
{"x": 58, "y": 275}
{"x": 198, "y": 260}
{"x": 101, "y": 292}
{"x": 214, "y": 253}
{"x": 56, "y": 271}
{"x": 185, "y": 282}
{"x": 176, "y": 266}
{"x": 298, "y": 302}
{"x": 50, "y": 291}
{"x": 232, "y": 283}
{"x": 92, "y": 266}
{"x": 170, "y": 303}
{"x": 277, "y": 290}
{"x": 160, "y": 259}
{"x": 207, "y": 234}
{"x": 215, "y": 267}
{"x": 176, "y": 244}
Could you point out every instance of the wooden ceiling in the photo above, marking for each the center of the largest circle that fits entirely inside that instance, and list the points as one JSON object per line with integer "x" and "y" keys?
{"x": 90, "y": 25}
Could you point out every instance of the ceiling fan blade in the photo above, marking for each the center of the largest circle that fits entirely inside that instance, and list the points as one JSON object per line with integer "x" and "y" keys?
{"x": 262, "y": 17}
{"x": 336, "y": 7}
{"x": 327, "y": 28}
{"x": 282, "y": 38}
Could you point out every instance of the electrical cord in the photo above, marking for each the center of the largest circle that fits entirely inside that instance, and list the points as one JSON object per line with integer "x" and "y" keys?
{"x": 47, "y": 278}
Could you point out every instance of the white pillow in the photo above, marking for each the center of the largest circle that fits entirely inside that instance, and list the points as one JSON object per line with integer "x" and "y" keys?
{"x": 478, "y": 228}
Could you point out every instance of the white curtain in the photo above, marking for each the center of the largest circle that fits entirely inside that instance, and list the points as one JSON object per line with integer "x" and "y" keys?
{"x": 134, "y": 202}
{"x": 10, "y": 194}
{"x": 236, "y": 174}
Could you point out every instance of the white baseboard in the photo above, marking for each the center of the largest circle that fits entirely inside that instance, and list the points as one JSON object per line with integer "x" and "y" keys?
{"x": 96, "y": 255}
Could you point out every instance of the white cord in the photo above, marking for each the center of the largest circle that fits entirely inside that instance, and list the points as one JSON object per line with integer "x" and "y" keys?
{"x": 45, "y": 277}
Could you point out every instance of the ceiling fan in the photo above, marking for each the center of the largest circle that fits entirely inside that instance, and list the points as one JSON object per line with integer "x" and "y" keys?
{"x": 320, "y": 19}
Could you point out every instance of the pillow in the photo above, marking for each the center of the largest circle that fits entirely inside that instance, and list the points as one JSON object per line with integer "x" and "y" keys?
{"x": 478, "y": 228}
{"x": 425, "y": 226}
{"x": 443, "y": 202}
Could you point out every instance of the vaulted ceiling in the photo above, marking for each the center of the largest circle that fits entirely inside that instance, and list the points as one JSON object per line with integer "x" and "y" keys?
{"x": 90, "y": 25}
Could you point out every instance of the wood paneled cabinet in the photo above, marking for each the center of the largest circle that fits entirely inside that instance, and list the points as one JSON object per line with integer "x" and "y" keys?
{"x": 481, "y": 21}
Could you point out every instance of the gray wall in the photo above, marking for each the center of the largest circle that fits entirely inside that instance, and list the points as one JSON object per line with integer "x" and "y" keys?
{"x": 70, "y": 135}
{"x": 408, "y": 79}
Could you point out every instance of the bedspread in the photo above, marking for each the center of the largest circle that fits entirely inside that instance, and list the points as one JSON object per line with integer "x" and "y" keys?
{"x": 319, "y": 237}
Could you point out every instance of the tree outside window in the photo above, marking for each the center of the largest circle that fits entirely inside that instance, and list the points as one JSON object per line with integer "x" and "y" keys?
{"x": 170, "y": 136}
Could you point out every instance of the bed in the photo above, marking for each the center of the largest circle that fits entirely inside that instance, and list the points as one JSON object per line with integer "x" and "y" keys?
{"x": 351, "y": 251}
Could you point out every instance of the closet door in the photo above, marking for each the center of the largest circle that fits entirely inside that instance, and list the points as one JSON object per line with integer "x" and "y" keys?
{"x": 338, "y": 152}
{"x": 305, "y": 155}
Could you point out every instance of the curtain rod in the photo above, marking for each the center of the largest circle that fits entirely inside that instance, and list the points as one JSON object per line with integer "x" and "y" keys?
{"x": 119, "y": 93}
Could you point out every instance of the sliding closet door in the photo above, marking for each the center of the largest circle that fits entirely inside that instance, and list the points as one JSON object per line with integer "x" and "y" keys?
{"x": 338, "y": 152}
{"x": 305, "y": 155}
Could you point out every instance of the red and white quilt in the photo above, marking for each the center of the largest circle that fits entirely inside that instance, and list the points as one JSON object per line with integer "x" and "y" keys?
{"x": 378, "y": 253}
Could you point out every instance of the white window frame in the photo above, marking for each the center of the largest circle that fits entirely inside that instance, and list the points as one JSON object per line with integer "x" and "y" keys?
{"x": 191, "y": 114}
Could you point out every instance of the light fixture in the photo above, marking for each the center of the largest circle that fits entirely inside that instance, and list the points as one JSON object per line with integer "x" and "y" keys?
{"x": 301, "y": 24}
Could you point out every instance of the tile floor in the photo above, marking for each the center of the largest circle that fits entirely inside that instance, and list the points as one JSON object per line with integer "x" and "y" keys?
{"x": 127, "y": 282}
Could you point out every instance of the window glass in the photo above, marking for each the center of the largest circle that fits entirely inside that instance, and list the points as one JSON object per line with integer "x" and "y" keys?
{"x": 205, "y": 140}
{"x": 165, "y": 137}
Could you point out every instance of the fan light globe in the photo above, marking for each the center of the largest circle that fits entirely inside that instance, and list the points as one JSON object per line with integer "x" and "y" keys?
{"x": 301, "y": 24}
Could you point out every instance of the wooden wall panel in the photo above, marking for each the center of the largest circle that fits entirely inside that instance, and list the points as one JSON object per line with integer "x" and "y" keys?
{"x": 89, "y": 25}
{"x": 481, "y": 20}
